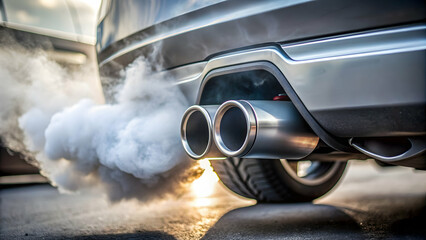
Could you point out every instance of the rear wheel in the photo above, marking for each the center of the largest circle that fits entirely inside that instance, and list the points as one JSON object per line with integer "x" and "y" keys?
{"x": 278, "y": 180}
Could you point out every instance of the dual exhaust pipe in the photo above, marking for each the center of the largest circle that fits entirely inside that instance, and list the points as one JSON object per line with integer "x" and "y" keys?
{"x": 249, "y": 129}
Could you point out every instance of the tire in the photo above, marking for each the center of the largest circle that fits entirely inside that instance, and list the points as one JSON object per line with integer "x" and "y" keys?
{"x": 271, "y": 181}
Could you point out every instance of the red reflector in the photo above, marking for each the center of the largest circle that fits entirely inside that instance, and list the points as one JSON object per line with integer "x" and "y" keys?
{"x": 281, "y": 97}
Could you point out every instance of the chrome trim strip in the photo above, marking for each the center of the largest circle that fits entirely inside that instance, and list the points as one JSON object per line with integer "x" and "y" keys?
{"x": 388, "y": 40}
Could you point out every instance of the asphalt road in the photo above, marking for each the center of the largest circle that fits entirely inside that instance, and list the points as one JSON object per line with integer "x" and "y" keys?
{"x": 370, "y": 202}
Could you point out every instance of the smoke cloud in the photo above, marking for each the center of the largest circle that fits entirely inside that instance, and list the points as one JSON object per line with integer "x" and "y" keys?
{"x": 127, "y": 149}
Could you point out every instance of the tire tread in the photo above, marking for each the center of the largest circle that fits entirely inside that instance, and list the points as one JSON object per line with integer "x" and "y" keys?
{"x": 258, "y": 179}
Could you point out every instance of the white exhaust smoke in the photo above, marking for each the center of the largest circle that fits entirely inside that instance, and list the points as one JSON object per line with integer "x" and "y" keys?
{"x": 129, "y": 149}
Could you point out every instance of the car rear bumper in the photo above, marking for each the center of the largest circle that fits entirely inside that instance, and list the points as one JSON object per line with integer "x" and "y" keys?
{"x": 357, "y": 85}
{"x": 363, "y": 84}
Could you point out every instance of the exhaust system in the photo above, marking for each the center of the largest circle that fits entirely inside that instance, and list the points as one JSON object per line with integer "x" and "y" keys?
{"x": 250, "y": 129}
{"x": 262, "y": 129}
{"x": 196, "y": 132}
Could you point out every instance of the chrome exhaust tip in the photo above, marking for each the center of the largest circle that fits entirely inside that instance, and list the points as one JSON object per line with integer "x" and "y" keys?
{"x": 262, "y": 129}
{"x": 196, "y": 132}
{"x": 234, "y": 128}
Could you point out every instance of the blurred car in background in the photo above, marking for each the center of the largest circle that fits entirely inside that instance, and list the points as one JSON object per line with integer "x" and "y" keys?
{"x": 64, "y": 29}
{"x": 286, "y": 92}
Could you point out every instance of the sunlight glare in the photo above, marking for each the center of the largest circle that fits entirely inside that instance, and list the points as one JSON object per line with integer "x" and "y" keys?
{"x": 204, "y": 186}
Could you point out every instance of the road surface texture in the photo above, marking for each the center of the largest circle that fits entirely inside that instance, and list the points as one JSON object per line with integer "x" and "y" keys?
{"x": 370, "y": 203}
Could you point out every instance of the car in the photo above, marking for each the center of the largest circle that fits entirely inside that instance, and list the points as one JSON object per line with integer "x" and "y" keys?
{"x": 284, "y": 93}
{"x": 68, "y": 40}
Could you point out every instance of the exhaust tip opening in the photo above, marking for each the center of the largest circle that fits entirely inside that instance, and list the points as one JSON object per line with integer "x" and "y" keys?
{"x": 232, "y": 131}
{"x": 195, "y": 132}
